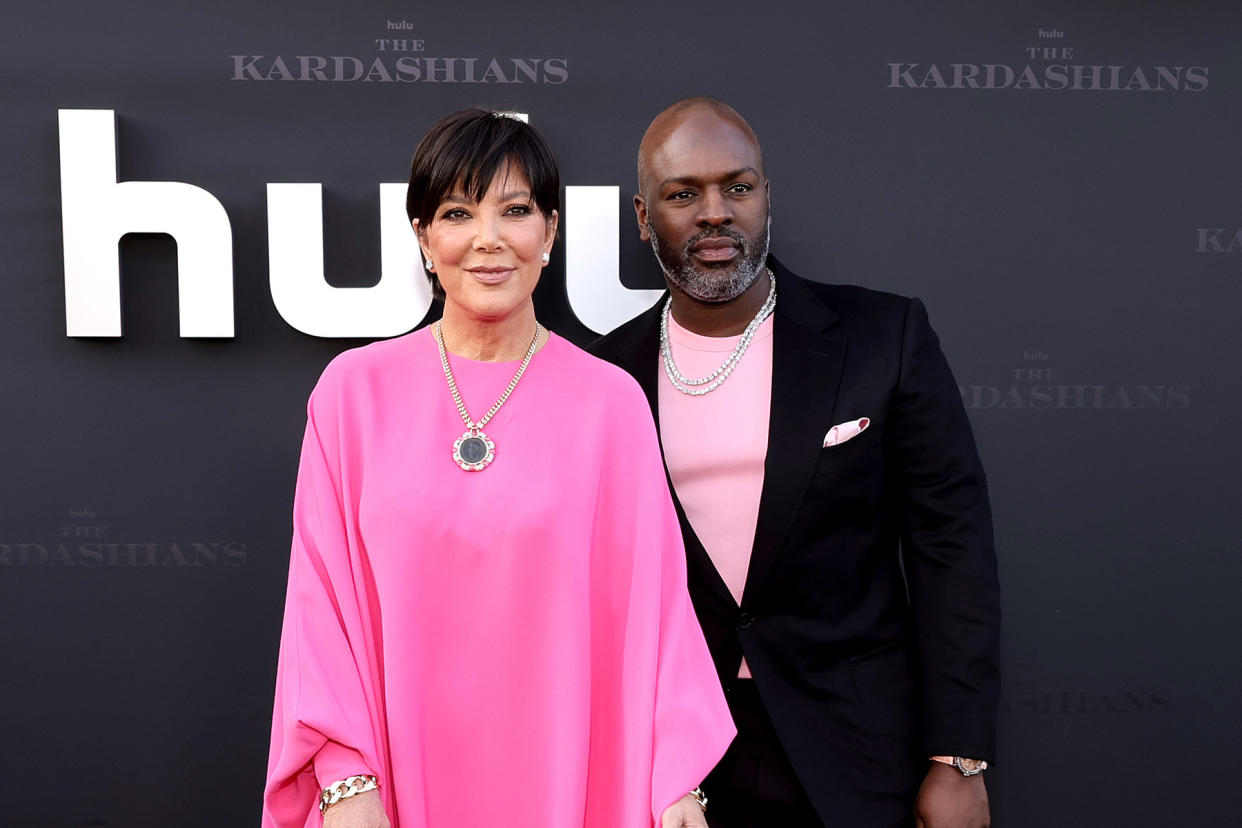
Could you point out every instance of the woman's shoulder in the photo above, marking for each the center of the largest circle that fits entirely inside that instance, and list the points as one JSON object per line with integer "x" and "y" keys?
{"x": 365, "y": 366}
{"x": 593, "y": 376}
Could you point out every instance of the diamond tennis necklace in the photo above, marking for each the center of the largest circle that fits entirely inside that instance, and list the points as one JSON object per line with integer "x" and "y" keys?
{"x": 709, "y": 383}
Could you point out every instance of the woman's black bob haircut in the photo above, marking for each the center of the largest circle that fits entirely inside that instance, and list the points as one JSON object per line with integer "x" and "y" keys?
{"x": 464, "y": 151}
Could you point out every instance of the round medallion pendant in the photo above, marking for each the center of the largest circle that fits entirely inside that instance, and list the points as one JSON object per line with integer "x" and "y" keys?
{"x": 473, "y": 451}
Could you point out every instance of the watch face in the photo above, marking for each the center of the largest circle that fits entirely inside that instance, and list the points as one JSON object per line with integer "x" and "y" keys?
{"x": 972, "y": 765}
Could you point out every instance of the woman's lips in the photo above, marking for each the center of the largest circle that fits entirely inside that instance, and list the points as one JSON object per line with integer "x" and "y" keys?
{"x": 491, "y": 275}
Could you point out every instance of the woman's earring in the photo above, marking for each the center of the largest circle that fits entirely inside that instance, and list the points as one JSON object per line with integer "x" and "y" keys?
{"x": 429, "y": 265}
{"x": 546, "y": 258}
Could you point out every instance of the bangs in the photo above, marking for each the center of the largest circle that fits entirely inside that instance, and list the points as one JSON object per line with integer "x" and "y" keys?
{"x": 465, "y": 152}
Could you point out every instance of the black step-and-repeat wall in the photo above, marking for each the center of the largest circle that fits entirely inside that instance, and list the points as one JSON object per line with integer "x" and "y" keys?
{"x": 1060, "y": 182}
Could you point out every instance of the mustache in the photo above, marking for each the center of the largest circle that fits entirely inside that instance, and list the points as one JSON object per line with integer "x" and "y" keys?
{"x": 718, "y": 233}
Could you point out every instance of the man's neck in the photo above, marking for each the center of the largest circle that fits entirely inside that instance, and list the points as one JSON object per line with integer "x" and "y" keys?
{"x": 722, "y": 319}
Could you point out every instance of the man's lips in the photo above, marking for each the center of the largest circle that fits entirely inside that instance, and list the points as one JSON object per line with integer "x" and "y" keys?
{"x": 715, "y": 249}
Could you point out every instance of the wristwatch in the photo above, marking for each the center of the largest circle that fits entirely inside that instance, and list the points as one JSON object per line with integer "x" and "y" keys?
{"x": 967, "y": 767}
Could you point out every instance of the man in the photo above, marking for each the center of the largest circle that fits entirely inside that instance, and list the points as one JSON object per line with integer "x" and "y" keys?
{"x": 833, "y": 505}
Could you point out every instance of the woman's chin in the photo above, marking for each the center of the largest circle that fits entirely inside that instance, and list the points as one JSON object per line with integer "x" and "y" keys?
{"x": 493, "y": 303}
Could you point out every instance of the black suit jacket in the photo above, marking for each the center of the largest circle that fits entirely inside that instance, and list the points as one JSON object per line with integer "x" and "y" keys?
{"x": 870, "y": 617}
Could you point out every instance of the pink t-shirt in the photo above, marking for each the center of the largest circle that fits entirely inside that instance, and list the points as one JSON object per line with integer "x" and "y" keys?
{"x": 715, "y": 445}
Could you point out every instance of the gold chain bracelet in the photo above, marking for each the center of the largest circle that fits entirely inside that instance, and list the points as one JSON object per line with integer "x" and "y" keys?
{"x": 344, "y": 789}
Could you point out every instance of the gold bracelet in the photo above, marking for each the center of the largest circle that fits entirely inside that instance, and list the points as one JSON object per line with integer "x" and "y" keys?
{"x": 700, "y": 797}
{"x": 344, "y": 789}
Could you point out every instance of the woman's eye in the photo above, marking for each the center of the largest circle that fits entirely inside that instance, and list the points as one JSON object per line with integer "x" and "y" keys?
{"x": 454, "y": 213}
{"x": 519, "y": 210}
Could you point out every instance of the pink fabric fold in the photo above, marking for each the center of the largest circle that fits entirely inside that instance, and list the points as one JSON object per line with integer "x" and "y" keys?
{"x": 845, "y": 431}
{"x": 507, "y": 647}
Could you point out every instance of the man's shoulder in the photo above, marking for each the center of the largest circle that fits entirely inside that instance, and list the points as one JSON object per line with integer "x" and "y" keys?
{"x": 848, "y": 300}
{"x": 848, "y": 308}
{"x": 851, "y": 304}
{"x": 627, "y": 337}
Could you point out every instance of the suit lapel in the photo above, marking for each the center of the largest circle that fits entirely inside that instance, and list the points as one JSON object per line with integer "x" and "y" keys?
{"x": 806, "y": 372}
{"x": 639, "y": 355}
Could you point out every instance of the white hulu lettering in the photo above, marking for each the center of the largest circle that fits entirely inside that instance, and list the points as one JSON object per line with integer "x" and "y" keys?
{"x": 295, "y": 265}
{"x": 593, "y": 260}
{"x": 96, "y": 211}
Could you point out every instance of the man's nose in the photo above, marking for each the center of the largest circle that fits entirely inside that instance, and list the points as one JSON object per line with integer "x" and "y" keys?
{"x": 714, "y": 209}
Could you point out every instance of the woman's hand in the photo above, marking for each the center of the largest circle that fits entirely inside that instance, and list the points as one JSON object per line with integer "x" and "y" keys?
{"x": 684, "y": 813}
{"x": 364, "y": 810}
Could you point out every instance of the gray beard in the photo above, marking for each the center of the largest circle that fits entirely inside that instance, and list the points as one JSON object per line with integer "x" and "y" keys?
{"x": 716, "y": 285}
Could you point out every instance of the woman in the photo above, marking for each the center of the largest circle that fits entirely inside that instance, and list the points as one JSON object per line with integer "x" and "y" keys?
{"x": 487, "y": 621}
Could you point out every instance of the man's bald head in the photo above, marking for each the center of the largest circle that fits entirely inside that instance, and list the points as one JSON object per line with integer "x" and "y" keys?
{"x": 664, "y": 125}
{"x": 702, "y": 201}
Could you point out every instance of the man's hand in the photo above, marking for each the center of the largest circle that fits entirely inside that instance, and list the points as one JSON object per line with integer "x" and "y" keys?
{"x": 684, "y": 813}
{"x": 364, "y": 810}
{"x": 949, "y": 800}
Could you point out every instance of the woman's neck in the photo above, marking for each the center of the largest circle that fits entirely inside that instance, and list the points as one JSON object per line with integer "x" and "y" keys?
{"x": 488, "y": 340}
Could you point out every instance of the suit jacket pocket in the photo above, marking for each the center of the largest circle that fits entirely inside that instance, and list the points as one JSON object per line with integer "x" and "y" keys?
{"x": 833, "y": 458}
{"x": 885, "y": 686}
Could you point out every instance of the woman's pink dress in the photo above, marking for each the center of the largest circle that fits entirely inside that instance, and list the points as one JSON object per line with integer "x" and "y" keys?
{"x": 511, "y": 647}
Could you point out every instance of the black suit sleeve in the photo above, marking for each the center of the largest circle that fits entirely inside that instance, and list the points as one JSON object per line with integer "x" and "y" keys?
{"x": 947, "y": 550}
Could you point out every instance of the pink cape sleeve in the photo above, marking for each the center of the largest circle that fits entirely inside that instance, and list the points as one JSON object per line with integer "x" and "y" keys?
{"x": 328, "y": 703}
{"x": 676, "y": 692}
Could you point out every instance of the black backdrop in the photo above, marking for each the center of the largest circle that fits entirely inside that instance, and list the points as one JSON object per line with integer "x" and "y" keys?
{"x": 1075, "y": 229}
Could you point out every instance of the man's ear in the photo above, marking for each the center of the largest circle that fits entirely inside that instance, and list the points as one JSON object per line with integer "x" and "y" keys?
{"x": 640, "y": 213}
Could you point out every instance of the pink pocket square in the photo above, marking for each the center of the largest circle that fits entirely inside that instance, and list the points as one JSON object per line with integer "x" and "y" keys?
{"x": 845, "y": 431}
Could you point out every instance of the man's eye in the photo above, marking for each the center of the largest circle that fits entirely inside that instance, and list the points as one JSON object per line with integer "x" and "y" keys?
{"x": 740, "y": 188}
{"x": 680, "y": 195}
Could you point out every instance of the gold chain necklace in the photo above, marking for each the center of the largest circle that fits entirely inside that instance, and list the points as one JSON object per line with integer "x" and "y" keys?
{"x": 474, "y": 450}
